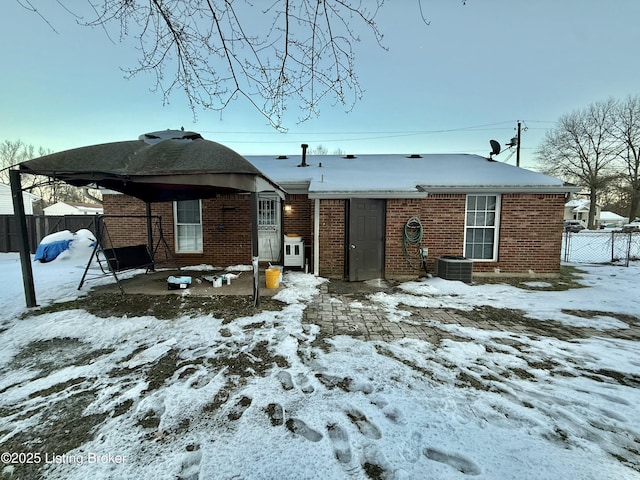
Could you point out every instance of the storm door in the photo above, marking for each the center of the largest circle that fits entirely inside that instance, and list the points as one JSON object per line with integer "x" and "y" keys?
{"x": 365, "y": 246}
{"x": 269, "y": 231}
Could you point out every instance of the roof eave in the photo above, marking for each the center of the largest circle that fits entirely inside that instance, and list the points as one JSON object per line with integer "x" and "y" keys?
{"x": 499, "y": 188}
{"x": 368, "y": 194}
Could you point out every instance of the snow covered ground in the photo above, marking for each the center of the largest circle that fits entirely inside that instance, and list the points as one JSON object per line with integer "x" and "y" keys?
{"x": 261, "y": 397}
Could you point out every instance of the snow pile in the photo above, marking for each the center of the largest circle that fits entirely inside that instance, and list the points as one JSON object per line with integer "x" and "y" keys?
{"x": 60, "y": 243}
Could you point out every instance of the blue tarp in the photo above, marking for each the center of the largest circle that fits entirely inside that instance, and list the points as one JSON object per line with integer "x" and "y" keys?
{"x": 50, "y": 251}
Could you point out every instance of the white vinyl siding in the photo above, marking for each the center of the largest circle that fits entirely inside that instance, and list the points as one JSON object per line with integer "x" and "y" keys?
{"x": 481, "y": 227}
{"x": 188, "y": 226}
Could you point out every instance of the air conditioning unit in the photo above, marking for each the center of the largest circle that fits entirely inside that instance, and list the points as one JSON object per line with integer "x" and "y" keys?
{"x": 454, "y": 267}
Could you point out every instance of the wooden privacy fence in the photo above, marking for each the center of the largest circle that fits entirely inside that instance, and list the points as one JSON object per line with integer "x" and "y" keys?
{"x": 38, "y": 227}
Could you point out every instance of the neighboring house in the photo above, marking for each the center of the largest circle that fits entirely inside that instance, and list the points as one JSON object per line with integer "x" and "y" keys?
{"x": 352, "y": 214}
{"x": 6, "y": 201}
{"x": 578, "y": 209}
{"x": 68, "y": 208}
{"x": 612, "y": 219}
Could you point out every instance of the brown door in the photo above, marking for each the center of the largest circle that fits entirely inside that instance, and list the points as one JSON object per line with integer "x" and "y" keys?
{"x": 365, "y": 249}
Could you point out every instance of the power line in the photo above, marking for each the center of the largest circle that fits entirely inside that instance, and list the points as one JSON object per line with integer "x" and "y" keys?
{"x": 367, "y": 135}
{"x": 369, "y": 132}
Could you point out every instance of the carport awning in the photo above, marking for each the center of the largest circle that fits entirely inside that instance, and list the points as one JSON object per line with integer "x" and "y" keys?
{"x": 162, "y": 166}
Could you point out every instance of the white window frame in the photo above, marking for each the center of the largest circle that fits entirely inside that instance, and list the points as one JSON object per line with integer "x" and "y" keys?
{"x": 495, "y": 226}
{"x": 176, "y": 228}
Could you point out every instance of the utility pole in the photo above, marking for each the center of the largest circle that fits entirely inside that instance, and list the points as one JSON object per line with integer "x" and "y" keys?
{"x": 518, "y": 145}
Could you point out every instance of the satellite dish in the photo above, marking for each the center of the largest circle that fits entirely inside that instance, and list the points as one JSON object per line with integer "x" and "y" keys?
{"x": 495, "y": 147}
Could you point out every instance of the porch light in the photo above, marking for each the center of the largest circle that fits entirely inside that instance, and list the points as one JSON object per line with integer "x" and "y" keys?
{"x": 287, "y": 208}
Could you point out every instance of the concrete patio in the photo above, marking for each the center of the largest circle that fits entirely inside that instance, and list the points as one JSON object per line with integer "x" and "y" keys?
{"x": 155, "y": 283}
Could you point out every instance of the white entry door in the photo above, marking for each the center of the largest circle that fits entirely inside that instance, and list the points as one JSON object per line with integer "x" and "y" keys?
{"x": 269, "y": 234}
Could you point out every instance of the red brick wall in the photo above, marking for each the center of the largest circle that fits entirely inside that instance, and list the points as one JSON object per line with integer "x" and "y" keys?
{"x": 443, "y": 222}
{"x": 331, "y": 238}
{"x": 442, "y": 219}
{"x": 121, "y": 232}
{"x": 226, "y": 233}
{"x": 530, "y": 234}
{"x": 398, "y": 212}
{"x": 530, "y": 231}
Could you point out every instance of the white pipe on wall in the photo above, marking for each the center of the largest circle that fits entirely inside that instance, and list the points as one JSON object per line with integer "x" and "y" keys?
{"x": 316, "y": 237}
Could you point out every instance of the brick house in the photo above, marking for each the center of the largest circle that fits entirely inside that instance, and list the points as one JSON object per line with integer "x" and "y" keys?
{"x": 352, "y": 214}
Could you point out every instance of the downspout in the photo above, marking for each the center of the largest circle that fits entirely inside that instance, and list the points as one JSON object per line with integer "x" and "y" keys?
{"x": 23, "y": 238}
{"x": 316, "y": 237}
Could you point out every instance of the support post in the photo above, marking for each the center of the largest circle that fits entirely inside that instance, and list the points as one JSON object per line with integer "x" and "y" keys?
{"x": 518, "y": 146}
{"x": 23, "y": 238}
{"x": 254, "y": 249}
{"x": 150, "y": 233}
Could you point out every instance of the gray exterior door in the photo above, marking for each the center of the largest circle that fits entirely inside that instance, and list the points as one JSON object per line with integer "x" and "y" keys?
{"x": 365, "y": 249}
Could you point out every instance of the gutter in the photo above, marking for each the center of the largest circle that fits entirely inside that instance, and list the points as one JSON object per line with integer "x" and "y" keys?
{"x": 368, "y": 194}
{"x": 500, "y": 189}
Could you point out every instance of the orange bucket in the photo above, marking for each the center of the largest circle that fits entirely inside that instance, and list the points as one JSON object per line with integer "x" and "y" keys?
{"x": 272, "y": 276}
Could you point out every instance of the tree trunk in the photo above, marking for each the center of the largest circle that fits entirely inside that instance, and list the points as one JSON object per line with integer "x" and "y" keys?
{"x": 634, "y": 205}
{"x": 592, "y": 210}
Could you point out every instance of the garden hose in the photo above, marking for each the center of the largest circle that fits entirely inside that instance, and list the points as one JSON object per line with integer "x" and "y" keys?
{"x": 412, "y": 243}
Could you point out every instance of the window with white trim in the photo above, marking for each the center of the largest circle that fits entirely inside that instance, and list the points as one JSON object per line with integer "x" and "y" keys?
{"x": 481, "y": 227}
{"x": 188, "y": 226}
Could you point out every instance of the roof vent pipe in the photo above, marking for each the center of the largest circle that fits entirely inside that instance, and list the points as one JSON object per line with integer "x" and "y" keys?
{"x": 304, "y": 155}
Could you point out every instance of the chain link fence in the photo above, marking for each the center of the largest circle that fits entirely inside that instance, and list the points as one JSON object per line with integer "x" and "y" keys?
{"x": 601, "y": 247}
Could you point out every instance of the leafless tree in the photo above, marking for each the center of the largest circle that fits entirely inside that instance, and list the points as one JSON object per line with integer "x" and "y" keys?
{"x": 319, "y": 150}
{"x": 13, "y": 152}
{"x": 582, "y": 149}
{"x": 626, "y": 129}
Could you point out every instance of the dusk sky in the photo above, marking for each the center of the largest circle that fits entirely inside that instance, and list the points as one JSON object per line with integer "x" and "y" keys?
{"x": 446, "y": 87}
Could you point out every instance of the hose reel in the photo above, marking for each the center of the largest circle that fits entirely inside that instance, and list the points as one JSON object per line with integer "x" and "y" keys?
{"x": 412, "y": 235}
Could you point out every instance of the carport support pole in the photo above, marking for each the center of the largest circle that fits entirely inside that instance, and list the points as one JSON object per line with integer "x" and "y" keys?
{"x": 23, "y": 238}
{"x": 150, "y": 233}
{"x": 254, "y": 249}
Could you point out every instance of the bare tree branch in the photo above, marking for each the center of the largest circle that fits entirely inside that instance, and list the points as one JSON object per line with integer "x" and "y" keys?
{"x": 626, "y": 129}
{"x": 300, "y": 52}
{"x": 582, "y": 149}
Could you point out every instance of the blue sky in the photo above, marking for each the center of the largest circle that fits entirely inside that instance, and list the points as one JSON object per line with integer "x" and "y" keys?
{"x": 448, "y": 87}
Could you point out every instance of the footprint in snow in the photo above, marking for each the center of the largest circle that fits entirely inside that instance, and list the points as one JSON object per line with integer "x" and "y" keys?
{"x": 239, "y": 408}
{"x": 285, "y": 379}
{"x": 347, "y": 384}
{"x": 298, "y": 427}
{"x": 340, "y": 440}
{"x": 458, "y": 462}
{"x": 411, "y": 450}
{"x": 275, "y": 412}
{"x": 304, "y": 384}
{"x": 190, "y": 465}
{"x": 366, "y": 428}
{"x": 392, "y": 413}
